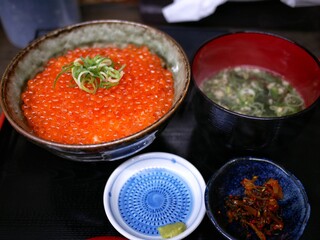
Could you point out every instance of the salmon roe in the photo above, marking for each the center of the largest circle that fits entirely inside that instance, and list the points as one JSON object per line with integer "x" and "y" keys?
{"x": 67, "y": 114}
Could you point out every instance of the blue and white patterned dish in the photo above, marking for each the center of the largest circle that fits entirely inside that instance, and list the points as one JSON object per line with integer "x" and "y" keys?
{"x": 295, "y": 208}
{"x": 153, "y": 190}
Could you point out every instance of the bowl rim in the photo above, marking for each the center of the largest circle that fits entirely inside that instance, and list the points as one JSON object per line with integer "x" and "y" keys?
{"x": 307, "y": 109}
{"x": 65, "y": 30}
{"x": 134, "y": 165}
{"x": 287, "y": 173}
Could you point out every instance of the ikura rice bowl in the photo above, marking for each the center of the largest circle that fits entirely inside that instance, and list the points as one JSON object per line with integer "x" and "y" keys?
{"x": 58, "y": 110}
{"x": 108, "y": 89}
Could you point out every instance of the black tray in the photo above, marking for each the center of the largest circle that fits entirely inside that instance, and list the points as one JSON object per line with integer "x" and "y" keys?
{"x": 43, "y": 196}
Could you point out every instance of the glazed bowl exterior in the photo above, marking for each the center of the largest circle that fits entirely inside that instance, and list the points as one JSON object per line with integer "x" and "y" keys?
{"x": 295, "y": 208}
{"x": 263, "y": 50}
{"x": 31, "y": 60}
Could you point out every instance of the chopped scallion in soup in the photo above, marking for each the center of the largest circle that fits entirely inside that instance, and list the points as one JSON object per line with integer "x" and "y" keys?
{"x": 253, "y": 91}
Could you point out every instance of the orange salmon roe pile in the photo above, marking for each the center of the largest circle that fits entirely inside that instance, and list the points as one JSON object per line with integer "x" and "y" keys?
{"x": 67, "y": 114}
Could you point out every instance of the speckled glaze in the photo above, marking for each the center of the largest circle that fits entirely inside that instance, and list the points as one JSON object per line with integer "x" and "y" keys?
{"x": 295, "y": 206}
{"x": 95, "y": 33}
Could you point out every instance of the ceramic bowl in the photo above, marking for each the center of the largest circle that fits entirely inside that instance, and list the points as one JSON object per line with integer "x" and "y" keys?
{"x": 266, "y": 51}
{"x": 31, "y": 59}
{"x": 153, "y": 190}
{"x": 294, "y": 207}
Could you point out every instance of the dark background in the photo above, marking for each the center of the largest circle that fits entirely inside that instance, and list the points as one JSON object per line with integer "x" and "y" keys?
{"x": 46, "y": 197}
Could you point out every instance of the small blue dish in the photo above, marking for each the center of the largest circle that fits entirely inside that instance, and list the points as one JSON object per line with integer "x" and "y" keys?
{"x": 295, "y": 208}
{"x": 152, "y": 190}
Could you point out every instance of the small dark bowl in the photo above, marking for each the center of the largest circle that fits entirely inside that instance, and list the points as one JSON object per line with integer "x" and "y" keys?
{"x": 267, "y": 51}
{"x": 95, "y": 33}
{"x": 295, "y": 208}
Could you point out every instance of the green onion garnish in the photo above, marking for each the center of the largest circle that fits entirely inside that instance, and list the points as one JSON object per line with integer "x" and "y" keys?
{"x": 90, "y": 74}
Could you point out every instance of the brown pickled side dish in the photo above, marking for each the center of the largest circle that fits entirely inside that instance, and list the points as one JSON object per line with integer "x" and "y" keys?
{"x": 258, "y": 209}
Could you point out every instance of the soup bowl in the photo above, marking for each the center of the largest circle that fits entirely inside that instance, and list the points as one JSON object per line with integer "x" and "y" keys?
{"x": 32, "y": 59}
{"x": 244, "y": 132}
